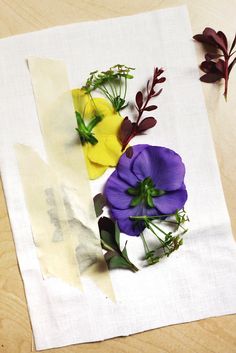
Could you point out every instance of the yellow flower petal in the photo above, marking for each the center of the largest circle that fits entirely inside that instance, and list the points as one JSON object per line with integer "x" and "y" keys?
{"x": 109, "y": 125}
{"x": 88, "y": 107}
{"x": 80, "y": 100}
{"x": 106, "y": 152}
{"x": 103, "y": 107}
{"x": 95, "y": 170}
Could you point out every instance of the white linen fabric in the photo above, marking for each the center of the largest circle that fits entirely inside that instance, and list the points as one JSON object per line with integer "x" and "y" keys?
{"x": 197, "y": 281}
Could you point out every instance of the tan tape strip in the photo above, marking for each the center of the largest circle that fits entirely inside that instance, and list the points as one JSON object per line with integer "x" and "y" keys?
{"x": 54, "y": 243}
{"x": 57, "y": 120}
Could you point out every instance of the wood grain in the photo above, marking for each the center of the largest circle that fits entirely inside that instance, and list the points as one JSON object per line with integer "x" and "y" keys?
{"x": 215, "y": 335}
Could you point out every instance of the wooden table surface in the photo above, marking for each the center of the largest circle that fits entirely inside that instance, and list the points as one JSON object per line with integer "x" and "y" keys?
{"x": 209, "y": 335}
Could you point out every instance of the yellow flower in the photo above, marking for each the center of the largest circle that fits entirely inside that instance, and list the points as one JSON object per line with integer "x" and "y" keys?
{"x": 107, "y": 151}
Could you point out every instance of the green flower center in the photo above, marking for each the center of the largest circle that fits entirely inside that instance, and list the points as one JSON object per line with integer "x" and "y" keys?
{"x": 144, "y": 193}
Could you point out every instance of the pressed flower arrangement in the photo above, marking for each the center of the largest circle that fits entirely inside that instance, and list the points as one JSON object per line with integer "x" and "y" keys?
{"x": 146, "y": 192}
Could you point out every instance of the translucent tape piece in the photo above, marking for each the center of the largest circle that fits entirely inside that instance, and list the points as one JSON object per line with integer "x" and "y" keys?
{"x": 54, "y": 242}
{"x": 66, "y": 160}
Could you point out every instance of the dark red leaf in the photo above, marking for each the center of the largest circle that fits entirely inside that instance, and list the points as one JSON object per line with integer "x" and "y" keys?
{"x": 232, "y": 65}
{"x": 210, "y": 56}
{"x": 209, "y": 36}
{"x": 233, "y": 45}
{"x": 129, "y": 152}
{"x": 161, "y": 80}
{"x": 208, "y": 31}
{"x": 213, "y": 67}
{"x": 157, "y": 93}
{"x": 203, "y": 39}
{"x": 210, "y": 78}
{"x": 207, "y": 66}
{"x": 220, "y": 65}
{"x": 125, "y": 130}
{"x": 212, "y": 35}
{"x": 146, "y": 124}
{"x": 158, "y": 72}
{"x": 151, "y": 107}
{"x": 139, "y": 99}
{"x": 223, "y": 37}
{"x": 199, "y": 38}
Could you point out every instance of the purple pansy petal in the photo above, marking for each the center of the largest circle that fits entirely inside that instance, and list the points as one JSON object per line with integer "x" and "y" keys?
{"x": 116, "y": 192}
{"x": 125, "y": 224}
{"x": 129, "y": 226}
{"x": 163, "y": 165}
{"x": 171, "y": 202}
{"x": 124, "y": 166}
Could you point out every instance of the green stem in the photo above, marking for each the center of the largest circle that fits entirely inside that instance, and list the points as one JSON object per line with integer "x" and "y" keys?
{"x": 125, "y": 90}
{"x": 111, "y": 87}
{"x": 105, "y": 92}
{"x": 152, "y": 230}
{"x": 147, "y": 251}
{"x": 160, "y": 230}
{"x": 114, "y": 87}
{"x": 143, "y": 218}
{"x": 120, "y": 83}
{"x": 95, "y": 107}
{"x": 146, "y": 248}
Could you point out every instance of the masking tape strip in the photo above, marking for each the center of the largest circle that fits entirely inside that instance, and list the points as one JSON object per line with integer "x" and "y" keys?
{"x": 57, "y": 120}
{"x": 50, "y": 227}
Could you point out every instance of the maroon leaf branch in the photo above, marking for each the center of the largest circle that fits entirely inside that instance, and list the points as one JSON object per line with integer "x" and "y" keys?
{"x": 218, "y": 60}
{"x": 130, "y": 129}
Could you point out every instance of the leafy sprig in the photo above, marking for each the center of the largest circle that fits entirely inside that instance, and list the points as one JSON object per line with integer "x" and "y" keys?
{"x": 219, "y": 59}
{"x": 112, "y": 83}
{"x": 110, "y": 241}
{"x": 130, "y": 129}
{"x": 168, "y": 241}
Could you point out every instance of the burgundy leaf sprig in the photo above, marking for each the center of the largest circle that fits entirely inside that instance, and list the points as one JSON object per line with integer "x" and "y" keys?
{"x": 219, "y": 59}
{"x": 130, "y": 129}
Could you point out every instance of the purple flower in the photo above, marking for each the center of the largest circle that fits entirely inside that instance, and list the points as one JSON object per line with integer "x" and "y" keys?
{"x": 150, "y": 183}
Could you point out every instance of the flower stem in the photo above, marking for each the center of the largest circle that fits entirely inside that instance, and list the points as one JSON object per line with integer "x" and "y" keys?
{"x": 226, "y": 77}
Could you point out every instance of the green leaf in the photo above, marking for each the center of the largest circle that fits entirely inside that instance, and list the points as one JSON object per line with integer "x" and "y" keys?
{"x": 149, "y": 200}
{"x": 80, "y": 121}
{"x": 117, "y": 261}
{"x": 108, "y": 241}
{"x": 99, "y": 202}
{"x": 107, "y": 228}
{"x": 94, "y": 122}
{"x": 117, "y": 235}
{"x": 133, "y": 191}
{"x": 154, "y": 192}
{"x": 124, "y": 252}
